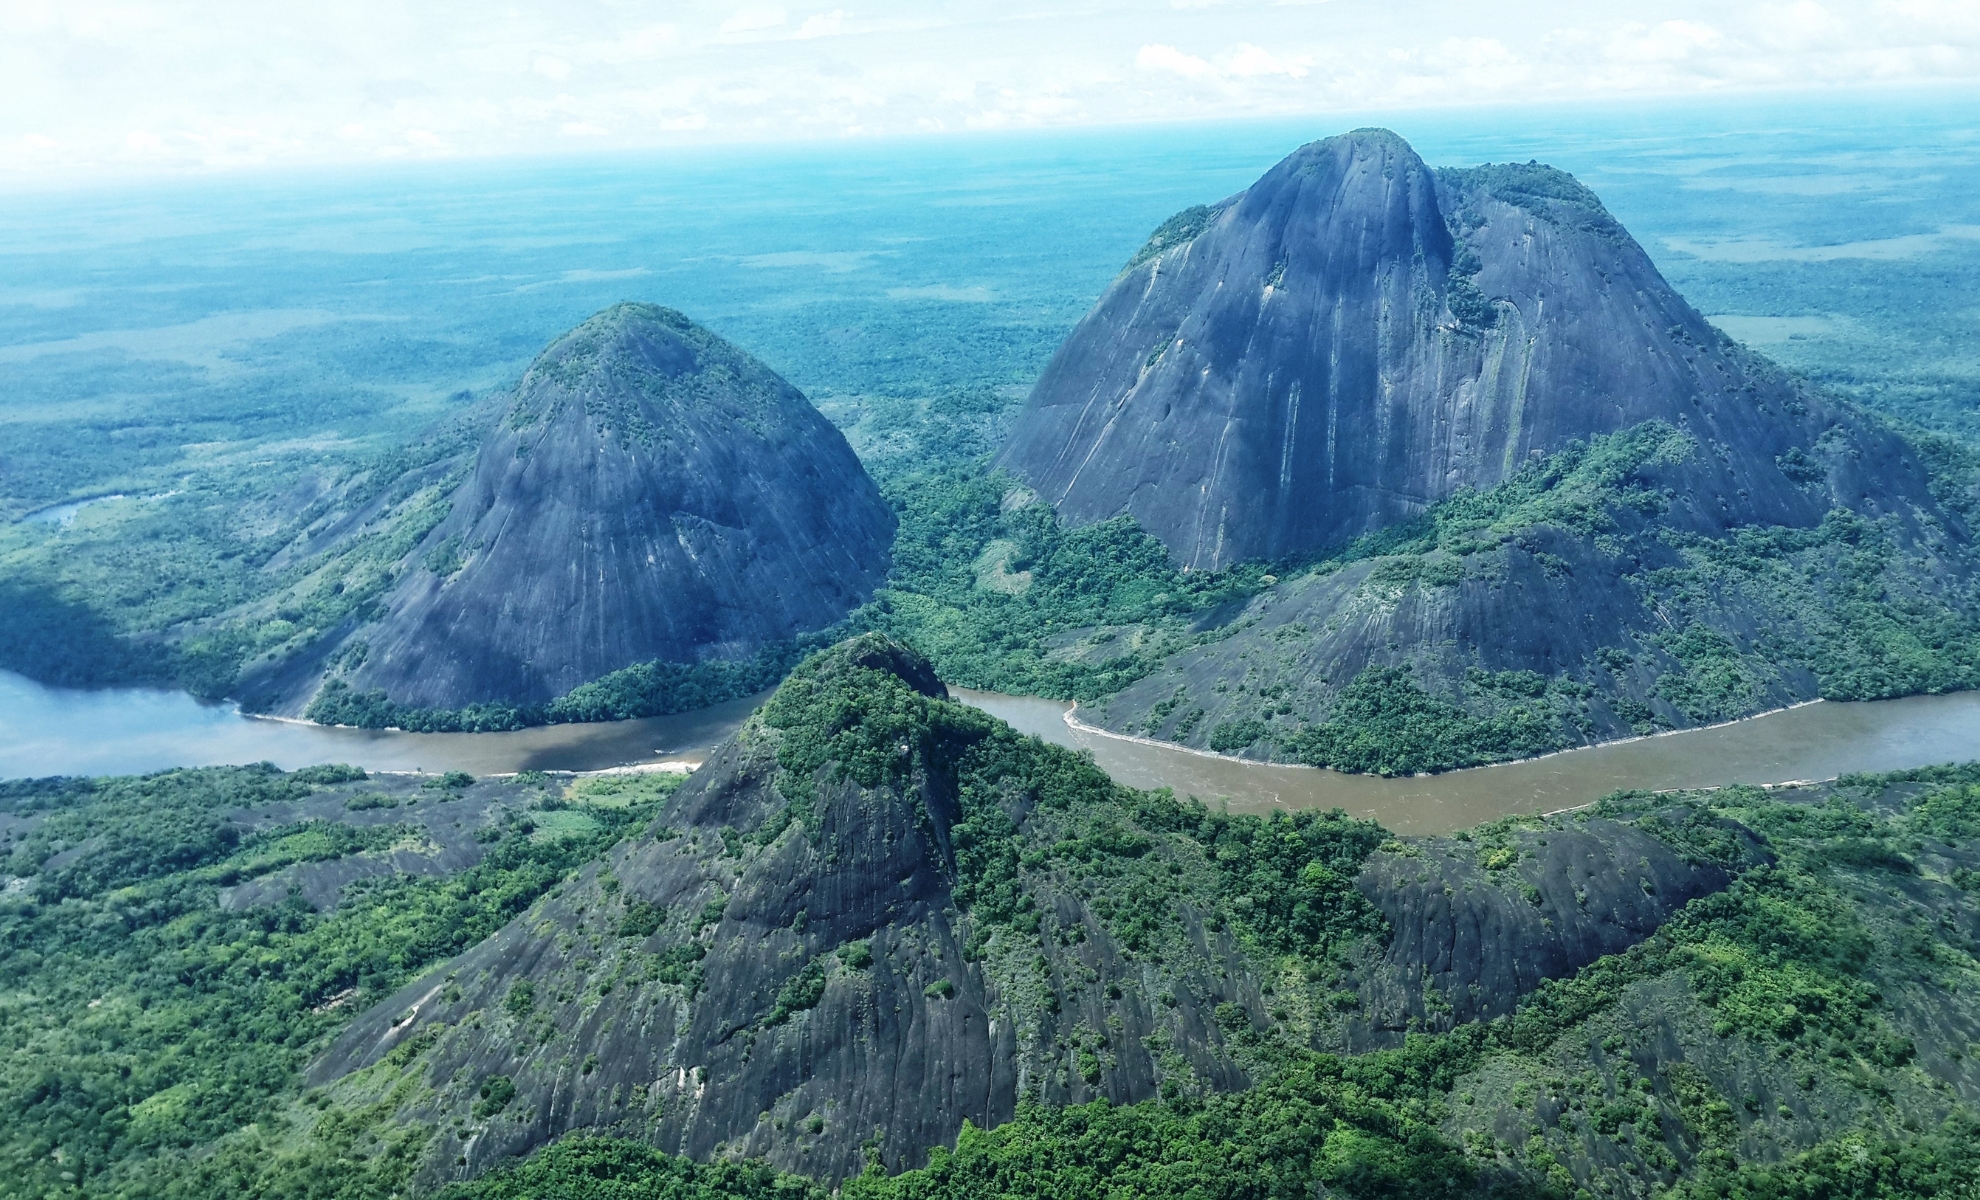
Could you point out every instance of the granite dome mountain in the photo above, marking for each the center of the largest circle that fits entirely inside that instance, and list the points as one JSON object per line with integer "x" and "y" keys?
{"x": 1550, "y": 502}
{"x": 652, "y": 493}
{"x": 1357, "y": 336}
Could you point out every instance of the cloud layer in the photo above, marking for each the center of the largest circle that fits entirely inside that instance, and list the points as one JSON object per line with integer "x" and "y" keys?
{"x": 95, "y": 85}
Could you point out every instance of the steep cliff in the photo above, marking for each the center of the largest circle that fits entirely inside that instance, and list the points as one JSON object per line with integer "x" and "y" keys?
{"x": 653, "y": 493}
{"x": 1524, "y": 496}
{"x": 1356, "y": 336}
{"x": 876, "y": 914}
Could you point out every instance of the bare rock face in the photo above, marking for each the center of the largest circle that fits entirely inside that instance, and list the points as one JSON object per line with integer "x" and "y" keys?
{"x": 804, "y": 991}
{"x": 653, "y": 493}
{"x": 1475, "y": 927}
{"x": 1357, "y": 336}
{"x": 809, "y": 969}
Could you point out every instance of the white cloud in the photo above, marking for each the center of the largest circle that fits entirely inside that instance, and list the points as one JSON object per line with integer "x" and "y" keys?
{"x": 822, "y": 24}
{"x": 1168, "y": 58}
{"x": 1806, "y": 26}
{"x": 105, "y": 85}
{"x": 750, "y": 19}
{"x": 1671, "y": 41}
{"x": 1248, "y": 60}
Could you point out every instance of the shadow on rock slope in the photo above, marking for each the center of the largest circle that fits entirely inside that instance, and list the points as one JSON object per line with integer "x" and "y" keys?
{"x": 875, "y": 914}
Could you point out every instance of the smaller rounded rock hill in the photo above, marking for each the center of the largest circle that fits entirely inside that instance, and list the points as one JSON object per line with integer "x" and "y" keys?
{"x": 653, "y": 493}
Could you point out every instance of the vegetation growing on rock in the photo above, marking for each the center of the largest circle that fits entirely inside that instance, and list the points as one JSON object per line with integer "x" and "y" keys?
{"x": 1793, "y": 1001}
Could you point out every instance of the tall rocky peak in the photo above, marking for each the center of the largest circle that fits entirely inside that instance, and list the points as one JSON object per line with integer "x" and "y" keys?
{"x": 1356, "y": 336}
{"x": 652, "y": 493}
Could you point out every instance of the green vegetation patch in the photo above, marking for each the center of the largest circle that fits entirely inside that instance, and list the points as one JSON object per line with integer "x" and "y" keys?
{"x": 1384, "y": 723}
{"x": 141, "y": 1018}
{"x": 1002, "y": 596}
{"x": 1147, "y": 862}
{"x": 182, "y": 1079}
{"x": 596, "y": 1168}
{"x": 651, "y": 689}
{"x": 1177, "y": 230}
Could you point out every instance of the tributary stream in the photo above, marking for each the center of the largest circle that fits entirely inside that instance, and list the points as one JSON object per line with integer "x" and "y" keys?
{"x": 50, "y": 731}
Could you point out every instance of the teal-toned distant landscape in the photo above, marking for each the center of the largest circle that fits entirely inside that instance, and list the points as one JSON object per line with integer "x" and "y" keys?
{"x": 168, "y": 332}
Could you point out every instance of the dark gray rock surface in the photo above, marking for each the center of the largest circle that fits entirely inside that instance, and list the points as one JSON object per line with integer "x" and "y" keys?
{"x": 420, "y": 828}
{"x": 1296, "y": 374}
{"x": 695, "y": 1032}
{"x": 1469, "y": 939}
{"x": 653, "y": 493}
{"x": 440, "y": 829}
{"x": 710, "y": 1070}
{"x": 1357, "y": 337}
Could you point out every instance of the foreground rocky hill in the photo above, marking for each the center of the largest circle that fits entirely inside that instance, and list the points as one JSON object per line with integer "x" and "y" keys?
{"x": 882, "y": 922}
{"x": 1549, "y": 503}
{"x": 651, "y": 494}
{"x": 876, "y": 914}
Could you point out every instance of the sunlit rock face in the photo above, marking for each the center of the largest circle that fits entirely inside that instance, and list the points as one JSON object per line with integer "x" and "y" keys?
{"x": 653, "y": 493}
{"x": 1357, "y": 336}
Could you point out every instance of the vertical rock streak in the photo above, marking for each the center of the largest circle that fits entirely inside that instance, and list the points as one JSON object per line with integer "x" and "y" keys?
{"x": 1329, "y": 279}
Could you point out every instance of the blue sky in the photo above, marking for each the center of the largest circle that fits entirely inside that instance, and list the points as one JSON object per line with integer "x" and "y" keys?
{"x": 96, "y": 86}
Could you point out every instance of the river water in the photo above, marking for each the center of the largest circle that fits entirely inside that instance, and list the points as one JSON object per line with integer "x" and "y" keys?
{"x": 1814, "y": 741}
{"x": 51, "y": 731}
{"x": 118, "y": 731}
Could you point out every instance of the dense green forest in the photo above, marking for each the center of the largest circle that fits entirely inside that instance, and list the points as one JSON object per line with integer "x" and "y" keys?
{"x": 1781, "y": 1038}
{"x": 143, "y": 1019}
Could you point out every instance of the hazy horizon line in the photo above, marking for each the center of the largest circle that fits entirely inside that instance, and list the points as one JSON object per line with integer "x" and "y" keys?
{"x": 1748, "y": 102}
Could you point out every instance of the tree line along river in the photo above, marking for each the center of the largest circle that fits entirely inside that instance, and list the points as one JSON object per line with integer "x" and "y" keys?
{"x": 57, "y": 731}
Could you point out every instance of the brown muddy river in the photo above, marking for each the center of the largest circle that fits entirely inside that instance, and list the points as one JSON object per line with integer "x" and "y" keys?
{"x": 57, "y": 731}
{"x": 1815, "y": 741}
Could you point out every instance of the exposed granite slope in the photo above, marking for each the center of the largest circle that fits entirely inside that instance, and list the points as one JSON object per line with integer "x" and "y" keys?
{"x": 442, "y": 830}
{"x": 1479, "y": 924}
{"x": 1670, "y": 1075}
{"x": 1356, "y": 336}
{"x": 652, "y": 493}
{"x": 809, "y": 971}
{"x": 1567, "y": 471}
